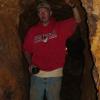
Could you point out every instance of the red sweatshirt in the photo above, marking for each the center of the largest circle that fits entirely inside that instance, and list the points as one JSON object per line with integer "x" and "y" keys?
{"x": 47, "y": 44}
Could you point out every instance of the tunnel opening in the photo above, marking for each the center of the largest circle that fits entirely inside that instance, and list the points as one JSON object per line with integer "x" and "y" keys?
{"x": 14, "y": 75}
{"x": 62, "y": 11}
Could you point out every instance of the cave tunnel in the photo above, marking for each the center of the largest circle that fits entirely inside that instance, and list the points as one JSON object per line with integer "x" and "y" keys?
{"x": 15, "y": 19}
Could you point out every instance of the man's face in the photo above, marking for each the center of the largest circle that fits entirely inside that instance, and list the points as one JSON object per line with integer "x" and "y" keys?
{"x": 44, "y": 14}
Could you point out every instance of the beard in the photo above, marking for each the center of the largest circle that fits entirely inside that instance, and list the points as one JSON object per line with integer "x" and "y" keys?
{"x": 44, "y": 20}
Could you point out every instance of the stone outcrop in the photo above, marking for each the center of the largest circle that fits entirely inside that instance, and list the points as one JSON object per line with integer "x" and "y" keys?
{"x": 93, "y": 13}
{"x": 13, "y": 80}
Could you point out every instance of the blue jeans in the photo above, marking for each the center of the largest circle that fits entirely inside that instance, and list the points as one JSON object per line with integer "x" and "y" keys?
{"x": 51, "y": 85}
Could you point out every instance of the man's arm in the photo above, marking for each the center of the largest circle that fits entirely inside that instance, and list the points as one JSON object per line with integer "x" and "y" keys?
{"x": 75, "y": 10}
{"x": 28, "y": 57}
{"x": 29, "y": 60}
{"x": 76, "y": 14}
{"x": 32, "y": 68}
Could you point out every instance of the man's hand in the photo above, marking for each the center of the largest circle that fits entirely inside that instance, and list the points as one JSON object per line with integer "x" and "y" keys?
{"x": 33, "y": 69}
{"x": 71, "y": 3}
{"x": 30, "y": 69}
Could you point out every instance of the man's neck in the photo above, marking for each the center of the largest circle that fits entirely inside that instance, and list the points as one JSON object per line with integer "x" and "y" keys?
{"x": 45, "y": 23}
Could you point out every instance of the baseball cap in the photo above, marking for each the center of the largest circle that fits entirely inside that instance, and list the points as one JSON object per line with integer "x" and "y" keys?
{"x": 43, "y": 5}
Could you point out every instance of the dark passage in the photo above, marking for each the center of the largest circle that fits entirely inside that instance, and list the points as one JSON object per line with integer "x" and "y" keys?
{"x": 72, "y": 84}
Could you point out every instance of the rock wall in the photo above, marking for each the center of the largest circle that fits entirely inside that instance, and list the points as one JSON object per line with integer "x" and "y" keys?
{"x": 93, "y": 13}
{"x": 13, "y": 80}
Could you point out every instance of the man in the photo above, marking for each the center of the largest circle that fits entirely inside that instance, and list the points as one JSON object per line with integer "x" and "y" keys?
{"x": 44, "y": 48}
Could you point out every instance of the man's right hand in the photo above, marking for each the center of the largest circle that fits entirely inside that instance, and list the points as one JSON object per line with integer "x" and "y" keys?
{"x": 30, "y": 68}
{"x": 33, "y": 69}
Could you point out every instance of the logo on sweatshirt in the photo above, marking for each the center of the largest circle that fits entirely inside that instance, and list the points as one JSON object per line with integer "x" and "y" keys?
{"x": 45, "y": 37}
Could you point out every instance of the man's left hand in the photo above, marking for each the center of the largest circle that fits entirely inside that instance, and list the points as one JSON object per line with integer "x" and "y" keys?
{"x": 71, "y": 3}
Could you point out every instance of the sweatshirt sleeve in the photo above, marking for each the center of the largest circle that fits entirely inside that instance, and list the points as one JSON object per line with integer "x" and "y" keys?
{"x": 68, "y": 27}
{"x": 28, "y": 43}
